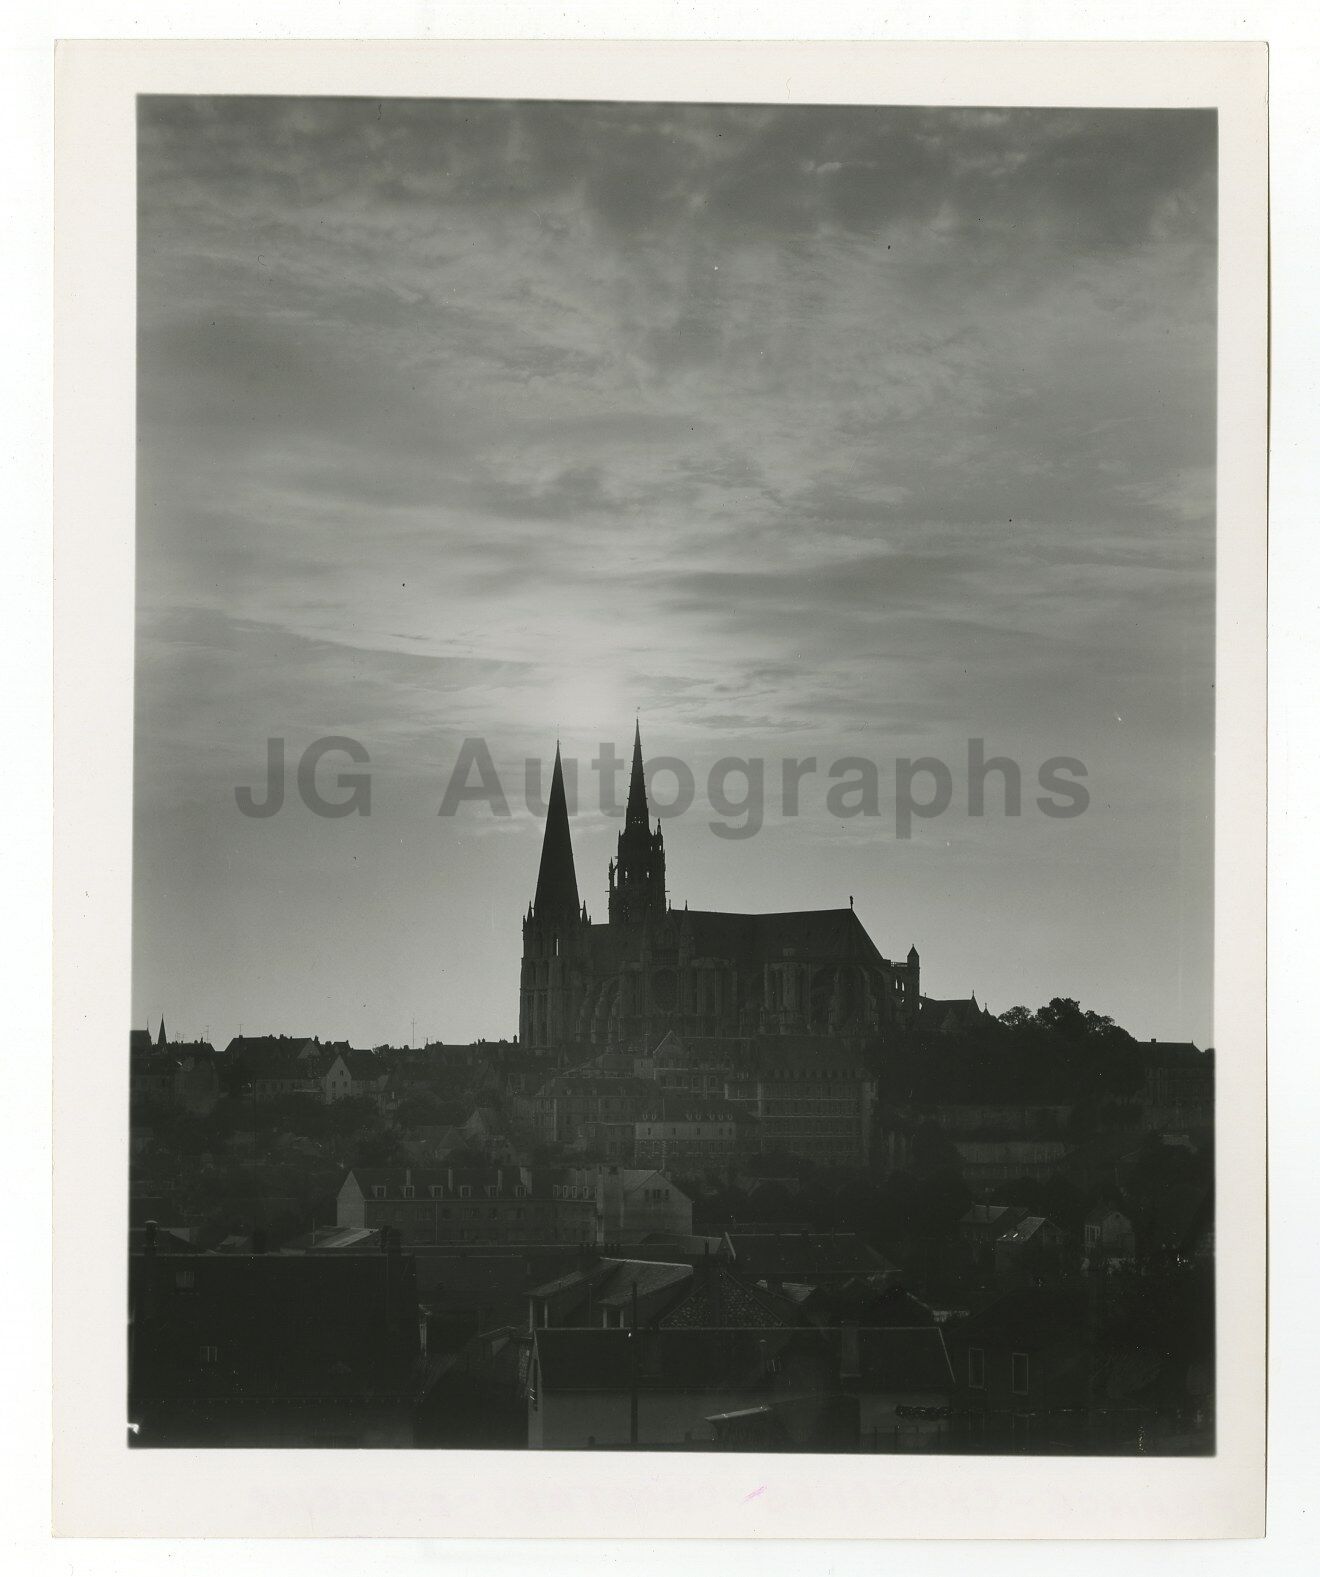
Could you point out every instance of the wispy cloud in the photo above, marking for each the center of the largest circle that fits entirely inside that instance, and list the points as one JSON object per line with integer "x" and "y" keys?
{"x": 502, "y": 418}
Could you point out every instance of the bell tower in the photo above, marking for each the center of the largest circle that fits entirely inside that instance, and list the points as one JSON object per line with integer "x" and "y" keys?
{"x": 552, "y": 929}
{"x": 637, "y": 875}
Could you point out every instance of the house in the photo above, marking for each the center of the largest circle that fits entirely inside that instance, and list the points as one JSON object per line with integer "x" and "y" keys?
{"x": 811, "y": 1095}
{"x": 182, "y": 1074}
{"x": 346, "y": 1072}
{"x": 1032, "y": 1251}
{"x": 983, "y": 1225}
{"x": 151, "y": 1073}
{"x": 849, "y": 1388}
{"x": 485, "y": 1130}
{"x": 488, "y": 1205}
{"x": 685, "y": 1132}
{"x": 284, "y": 1073}
{"x": 1108, "y": 1235}
{"x": 590, "y": 1111}
{"x": 1020, "y": 1362}
{"x": 1178, "y": 1086}
{"x": 251, "y": 1349}
{"x": 633, "y": 1203}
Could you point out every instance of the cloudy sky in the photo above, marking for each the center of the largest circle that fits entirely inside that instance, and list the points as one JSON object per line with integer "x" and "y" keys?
{"x": 799, "y": 432}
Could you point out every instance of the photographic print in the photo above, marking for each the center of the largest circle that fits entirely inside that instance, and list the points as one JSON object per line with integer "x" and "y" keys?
{"x": 674, "y": 728}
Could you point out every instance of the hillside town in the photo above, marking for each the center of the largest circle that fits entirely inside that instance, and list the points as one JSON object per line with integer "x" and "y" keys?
{"x": 735, "y": 1184}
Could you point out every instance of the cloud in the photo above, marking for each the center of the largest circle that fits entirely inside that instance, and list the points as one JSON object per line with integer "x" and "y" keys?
{"x": 815, "y": 423}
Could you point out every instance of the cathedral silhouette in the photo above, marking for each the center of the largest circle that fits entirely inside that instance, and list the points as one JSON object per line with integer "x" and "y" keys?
{"x": 652, "y": 970}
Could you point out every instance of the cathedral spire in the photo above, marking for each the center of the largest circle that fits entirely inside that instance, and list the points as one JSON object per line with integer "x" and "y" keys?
{"x": 160, "y": 1038}
{"x": 637, "y": 876}
{"x": 556, "y": 882}
{"x": 637, "y": 812}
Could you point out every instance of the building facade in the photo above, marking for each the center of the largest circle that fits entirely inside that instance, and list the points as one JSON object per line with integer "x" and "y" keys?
{"x": 653, "y": 968}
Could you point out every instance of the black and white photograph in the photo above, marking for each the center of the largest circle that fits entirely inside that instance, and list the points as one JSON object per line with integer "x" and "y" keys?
{"x": 673, "y": 767}
{"x": 660, "y": 752}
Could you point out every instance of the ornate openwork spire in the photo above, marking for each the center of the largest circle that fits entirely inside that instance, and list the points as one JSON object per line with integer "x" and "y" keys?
{"x": 637, "y": 878}
{"x": 637, "y": 811}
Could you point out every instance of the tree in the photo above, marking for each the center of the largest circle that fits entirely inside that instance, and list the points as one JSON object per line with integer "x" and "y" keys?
{"x": 378, "y": 1147}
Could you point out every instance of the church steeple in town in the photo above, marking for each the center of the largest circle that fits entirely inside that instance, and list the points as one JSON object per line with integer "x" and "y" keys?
{"x": 637, "y": 876}
{"x": 160, "y": 1037}
{"x": 556, "y": 882}
{"x": 553, "y": 927}
{"x": 637, "y": 811}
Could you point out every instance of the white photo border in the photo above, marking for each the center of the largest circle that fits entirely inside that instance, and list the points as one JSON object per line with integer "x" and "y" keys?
{"x": 102, "y": 1488}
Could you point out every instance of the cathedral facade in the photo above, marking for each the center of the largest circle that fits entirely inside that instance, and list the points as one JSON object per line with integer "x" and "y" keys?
{"x": 653, "y": 970}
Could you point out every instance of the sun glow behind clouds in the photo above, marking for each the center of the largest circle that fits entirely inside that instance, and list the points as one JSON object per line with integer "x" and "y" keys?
{"x": 589, "y": 706}
{"x": 809, "y": 432}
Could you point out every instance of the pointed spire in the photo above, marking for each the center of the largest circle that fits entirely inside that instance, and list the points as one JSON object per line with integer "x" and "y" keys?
{"x": 160, "y": 1038}
{"x": 637, "y": 811}
{"x": 556, "y": 882}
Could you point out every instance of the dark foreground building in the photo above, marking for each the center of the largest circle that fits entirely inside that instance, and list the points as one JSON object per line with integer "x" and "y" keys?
{"x": 274, "y": 1349}
{"x": 846, "y": 1388}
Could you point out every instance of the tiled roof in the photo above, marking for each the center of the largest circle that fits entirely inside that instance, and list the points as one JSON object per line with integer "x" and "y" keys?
{"x": 649, "y": 1276}
{"x": 567, "y": 1282}
{"x": 1027, "y": 1229}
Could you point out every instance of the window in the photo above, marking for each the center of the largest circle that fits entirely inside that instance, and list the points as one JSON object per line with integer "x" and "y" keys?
{"x": 1021, "y": 1374}
{"x": 185, "y": 1280}
{"x": 378, "y": 1190}
{"x": 407, "y": 1191}
{"x": 1092, "y": 1236}
{"x": 437, "y": 1191}
{"x": 465, "y": 1192}
{"x": 976, "y": 1368}
{"x": 209, "y": 1354}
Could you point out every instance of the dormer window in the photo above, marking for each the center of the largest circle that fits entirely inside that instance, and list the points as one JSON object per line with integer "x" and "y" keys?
{"x": 378, "y": 1190}
{"x": 407, "y": 1191}
{"x": 437, "y": 1191}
